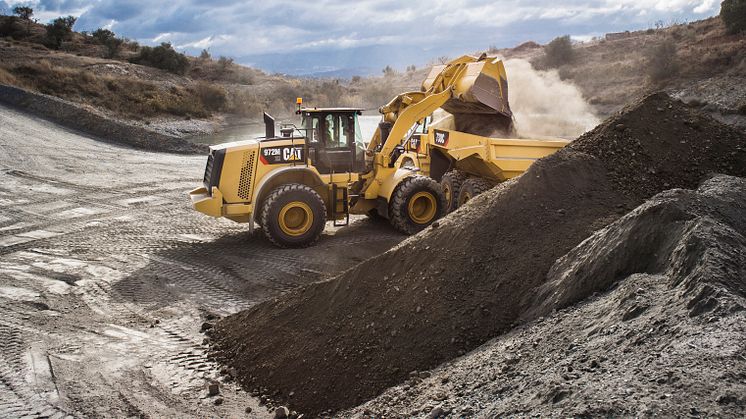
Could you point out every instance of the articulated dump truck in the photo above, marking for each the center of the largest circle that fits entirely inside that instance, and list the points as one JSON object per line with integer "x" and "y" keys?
{"x": 412, "y": 172}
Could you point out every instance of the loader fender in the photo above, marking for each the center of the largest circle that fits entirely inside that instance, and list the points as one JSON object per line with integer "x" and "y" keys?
{"x": 390, "y": 183}
{"x": 280, "y": 176}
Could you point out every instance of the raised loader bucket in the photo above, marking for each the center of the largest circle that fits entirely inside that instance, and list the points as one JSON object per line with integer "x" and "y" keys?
{"x": 482, "y": 108}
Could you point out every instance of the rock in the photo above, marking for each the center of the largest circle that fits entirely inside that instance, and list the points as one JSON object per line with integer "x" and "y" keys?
{"x": 213, "y": 389}
{"x": 436, "y": 413}
{"x": 727, "y": 398}
{"x": 282, "y": 412}
{"x": 248, "y": 409}
{"x": 218, "y": 401}
{"x": 205, "y": 327}
{"x": 439, "y": 396}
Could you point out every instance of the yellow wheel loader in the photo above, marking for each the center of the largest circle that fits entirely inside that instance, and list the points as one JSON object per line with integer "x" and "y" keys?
{"x": 412, "y": 172}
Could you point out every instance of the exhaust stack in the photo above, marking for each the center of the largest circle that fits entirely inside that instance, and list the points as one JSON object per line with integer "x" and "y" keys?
{"x": 269, "y": 126}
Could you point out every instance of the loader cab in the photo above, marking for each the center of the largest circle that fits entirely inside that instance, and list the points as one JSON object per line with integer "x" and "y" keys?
{"x": 335, "y": 143}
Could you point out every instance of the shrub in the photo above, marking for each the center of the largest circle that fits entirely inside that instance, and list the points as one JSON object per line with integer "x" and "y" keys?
{"x": 733, "y": 14}
{"x": 10, "y": 26}
{"x": 225, "y": 63}
{"x": 60, "y": 30}
{"x": 205, "y": 55}
{"x": 212, "y": 96}
{"x": 7, "y": 78}
{"x": 109, "y": 40}
{"x": 164, "y": 57}
{"x": 662, "y": 62}
{"x": 559, "y": 51}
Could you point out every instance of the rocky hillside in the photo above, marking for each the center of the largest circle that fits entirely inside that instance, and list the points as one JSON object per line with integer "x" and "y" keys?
{"x": 165, "y": 88}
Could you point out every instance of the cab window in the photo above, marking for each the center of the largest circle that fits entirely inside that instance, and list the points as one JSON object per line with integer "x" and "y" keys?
{"x": 339, "y": 130}
{"x": 311, "y": 126}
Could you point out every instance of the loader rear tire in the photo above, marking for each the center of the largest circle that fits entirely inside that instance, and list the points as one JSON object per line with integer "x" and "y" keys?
{"x": 451, "y": 184}
{"x": 473, "y": 187}
{"x": 416, "y": 202}
{"x": 293, "y": 215}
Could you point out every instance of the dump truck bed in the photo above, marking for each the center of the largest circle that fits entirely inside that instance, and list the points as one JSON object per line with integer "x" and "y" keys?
{"x": 514, "y": 156}
{"x": 494, "y": 158}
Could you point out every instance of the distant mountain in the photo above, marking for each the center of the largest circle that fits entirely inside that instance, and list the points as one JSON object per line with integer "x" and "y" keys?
{"x": 344, "y": 63}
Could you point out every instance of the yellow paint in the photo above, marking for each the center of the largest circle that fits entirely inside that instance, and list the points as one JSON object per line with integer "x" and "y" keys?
{"x": 422, "y": 207}
{"x": 295, "y": 218}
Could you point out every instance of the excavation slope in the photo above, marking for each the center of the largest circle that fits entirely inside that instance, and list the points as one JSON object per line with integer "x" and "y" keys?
{"x": 441, "y": 293}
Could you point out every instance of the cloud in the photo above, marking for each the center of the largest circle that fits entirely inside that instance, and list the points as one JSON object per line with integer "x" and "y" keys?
{"x": 336, "y": 33}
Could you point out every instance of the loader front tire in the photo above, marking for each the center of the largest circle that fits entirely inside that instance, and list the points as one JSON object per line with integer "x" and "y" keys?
{"x": 293, "y": 215}
{"x": 473, "y": 187}
{"x": 416, "y": 202}
{"x": 451, "y": 184}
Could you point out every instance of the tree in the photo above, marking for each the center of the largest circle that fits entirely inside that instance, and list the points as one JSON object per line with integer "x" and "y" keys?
{"x": 60, "y": 30}
{"x": 733, "y": 14}
{"x": 23, "y": 12}
{"x": 109, "y": 40}
{"x": 559, "y": 51}
{"x": 205, "y": 55}
{"x": 388, "y": 71}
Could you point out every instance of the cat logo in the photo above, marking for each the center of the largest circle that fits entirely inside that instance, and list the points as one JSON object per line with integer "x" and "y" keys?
{"x": 282, "y": 154}
{"x": 292, "y": 154}
{"x": 441, "y": 138}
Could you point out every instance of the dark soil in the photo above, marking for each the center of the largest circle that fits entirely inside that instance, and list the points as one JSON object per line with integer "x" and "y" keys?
{"x": 663, "y": 337}
{"x": 475, "y": 274}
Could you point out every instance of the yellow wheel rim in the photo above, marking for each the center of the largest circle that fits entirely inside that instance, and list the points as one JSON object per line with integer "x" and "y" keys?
{"x": 448, "y": 194}
{"x": 465, "y": 197}
{"x": 295, "y": 218}
{"x": 422, "y": 207}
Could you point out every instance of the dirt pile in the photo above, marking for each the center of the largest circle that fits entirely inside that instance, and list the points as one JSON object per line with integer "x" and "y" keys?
{"x": 665, "y": 337}
{"x": 470, "y": 277}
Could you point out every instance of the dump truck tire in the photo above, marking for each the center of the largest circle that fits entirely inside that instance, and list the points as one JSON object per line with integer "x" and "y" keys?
{"x": 416, "y": 202}
{"x": 293, "y": 215}
{"x": 473, "y": 187}
{"x": 451, "y": 184}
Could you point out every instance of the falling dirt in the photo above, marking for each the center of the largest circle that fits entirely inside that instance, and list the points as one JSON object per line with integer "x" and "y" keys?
{"x": 473, "y": 275}
{"x": 546, "y": 105}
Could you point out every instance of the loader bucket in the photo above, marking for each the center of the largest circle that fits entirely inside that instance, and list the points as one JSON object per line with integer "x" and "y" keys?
{"x": 482, "y": 107}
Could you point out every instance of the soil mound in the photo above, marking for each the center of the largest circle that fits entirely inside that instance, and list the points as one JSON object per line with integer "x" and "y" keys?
{"x": 664, "y": 336}
{"x": 470, "y": 277}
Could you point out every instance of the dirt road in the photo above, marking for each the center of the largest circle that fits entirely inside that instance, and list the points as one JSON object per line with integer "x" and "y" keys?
{"x": 106, "y": 276}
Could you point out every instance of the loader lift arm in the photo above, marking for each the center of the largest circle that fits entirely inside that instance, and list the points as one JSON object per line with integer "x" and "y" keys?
{"x": 466, "y": 85}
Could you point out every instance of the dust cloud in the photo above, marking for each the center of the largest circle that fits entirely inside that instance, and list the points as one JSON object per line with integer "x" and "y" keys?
{"x": 544, "y": 105}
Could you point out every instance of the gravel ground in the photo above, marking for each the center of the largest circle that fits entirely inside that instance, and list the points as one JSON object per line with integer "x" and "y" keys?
{"x": 107, "y": 275}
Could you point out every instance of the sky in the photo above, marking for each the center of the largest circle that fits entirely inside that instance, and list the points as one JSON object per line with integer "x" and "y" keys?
{"x": 347, "y": 36}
